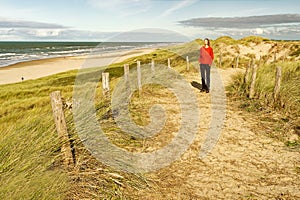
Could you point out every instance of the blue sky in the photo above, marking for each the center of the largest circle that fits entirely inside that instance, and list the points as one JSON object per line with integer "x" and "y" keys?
{"x": 99, "y": 20}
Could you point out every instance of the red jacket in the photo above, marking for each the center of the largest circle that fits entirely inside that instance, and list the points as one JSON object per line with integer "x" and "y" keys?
{"x": 206, "y": 55}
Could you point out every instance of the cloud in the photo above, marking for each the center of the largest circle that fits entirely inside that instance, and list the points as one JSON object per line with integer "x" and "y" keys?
{"x": 280, "y": 26}
{"x": 177, "y": 6}
{"x": 39, "y": 31}
{"x": 33, "y": 30}
{"x": 8, "y": 23}
{"x": 28, "y": 34}
{"x": 243, "y": 22}
{"x": 25, "y": 33}
{"x": 26, "y": 30}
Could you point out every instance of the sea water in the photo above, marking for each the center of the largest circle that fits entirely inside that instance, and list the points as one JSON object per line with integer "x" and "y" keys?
{"x": 15, "y": 52}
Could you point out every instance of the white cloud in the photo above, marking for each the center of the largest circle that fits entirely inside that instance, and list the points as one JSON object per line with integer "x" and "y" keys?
{"x": 6, "y": 34}
{"x": 39, "y": 31}
{"x": 259, "y": 31}
{"x": 46, "y": 32}
{"x": 12, "y": 23}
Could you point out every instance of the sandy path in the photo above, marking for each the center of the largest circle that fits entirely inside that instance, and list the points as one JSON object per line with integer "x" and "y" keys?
{"x": 40, "y": 68}
{"x": 243, "y": 165}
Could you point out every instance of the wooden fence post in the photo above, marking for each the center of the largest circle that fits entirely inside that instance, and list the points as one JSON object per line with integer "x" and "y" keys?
{"x": 61, "y": 128}
{"x": 139, "y": 75}
{"x": 126, "y": 72}
{"x": 105, "y": 83}
{"x": 277, "y": 83}
{"x": 187, "y": 63}
{"x": 220, "y": 61}
{"x": 152, "y": 66}
{"x": 285, "y": 57}
{"x": 252, "y": 86}
{"x": 247, "y": 72}
{"x": 169, "y": 63}
{"x": 237, "y": 61}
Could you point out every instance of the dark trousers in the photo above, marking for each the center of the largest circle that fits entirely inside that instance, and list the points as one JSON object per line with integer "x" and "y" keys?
{"x": 205, "y": 76}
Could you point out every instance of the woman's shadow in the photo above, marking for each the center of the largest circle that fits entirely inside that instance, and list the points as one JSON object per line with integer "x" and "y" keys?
{"x": 197, "y": 85}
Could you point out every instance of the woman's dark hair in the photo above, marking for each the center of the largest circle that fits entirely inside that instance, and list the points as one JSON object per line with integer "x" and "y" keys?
{"x": 208, "y": 42}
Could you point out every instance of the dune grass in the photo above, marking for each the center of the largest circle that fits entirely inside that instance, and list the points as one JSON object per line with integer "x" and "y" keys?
{"x": 30, "y": 158}
{"x": 29, "y": 148}
{"x": 289, "y": 100}
{"x": 279, "y": 119}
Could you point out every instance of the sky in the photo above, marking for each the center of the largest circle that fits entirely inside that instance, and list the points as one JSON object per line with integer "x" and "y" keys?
{"x": 147, "y": 20}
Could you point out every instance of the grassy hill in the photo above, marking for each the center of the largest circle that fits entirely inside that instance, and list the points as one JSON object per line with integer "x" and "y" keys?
{"x": 259, "y": 49}
{"x": 30, "y": 159}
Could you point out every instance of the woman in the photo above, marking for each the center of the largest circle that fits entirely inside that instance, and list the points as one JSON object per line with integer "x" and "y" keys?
{"x": 206, "y": 58}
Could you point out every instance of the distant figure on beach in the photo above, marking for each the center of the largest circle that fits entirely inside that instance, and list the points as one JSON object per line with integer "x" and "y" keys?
{"x": 205, "y": 60}
{"x": 22, "y": 78}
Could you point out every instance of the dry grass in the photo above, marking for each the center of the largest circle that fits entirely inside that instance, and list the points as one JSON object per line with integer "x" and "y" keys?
{"x": 29, "y": 148}
{"x": 278, "y": 119}
{"x": 30, "y": 159}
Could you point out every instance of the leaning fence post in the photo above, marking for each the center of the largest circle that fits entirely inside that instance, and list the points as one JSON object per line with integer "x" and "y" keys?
{"x": 105, "y": 83}
{"x": 277, "y": 83}
{"x": 61, "y": 128}
{"x": 139, "y": 75}
{"x": 187, "y": 63}
{"x": 126, "y": 72}
{"x": 252, "y": 86}
{"x": 169, "y": 63}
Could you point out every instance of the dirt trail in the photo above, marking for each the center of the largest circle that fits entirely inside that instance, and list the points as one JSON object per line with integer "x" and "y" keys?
{"x": 243, "y": 164}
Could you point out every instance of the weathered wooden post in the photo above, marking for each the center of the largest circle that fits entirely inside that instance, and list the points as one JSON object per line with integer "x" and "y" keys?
{"x": 169, "y": 63}
{"x": 237, "y": 61}
{"x": 105, "y": 83}
{"x": 126, "y": 72}
{"x": 187, "y": 63}
{"x": 220, "y": 61}
{"x": 139, "y": 75}
{"x": 277, "y": 83}
{"x": 61, "y": 128}
{"x": 247, "y": 72}
{"x": 285, "y": 57}
{"x": 152, "y": 66}
{"x": 253, "y": 80}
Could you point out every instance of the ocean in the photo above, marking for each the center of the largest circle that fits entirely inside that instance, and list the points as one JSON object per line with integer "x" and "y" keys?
{"x": 15, "y": 52}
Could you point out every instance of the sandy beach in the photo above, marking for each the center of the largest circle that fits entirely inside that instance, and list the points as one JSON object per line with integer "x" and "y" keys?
{"x": 45, "y": 67}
